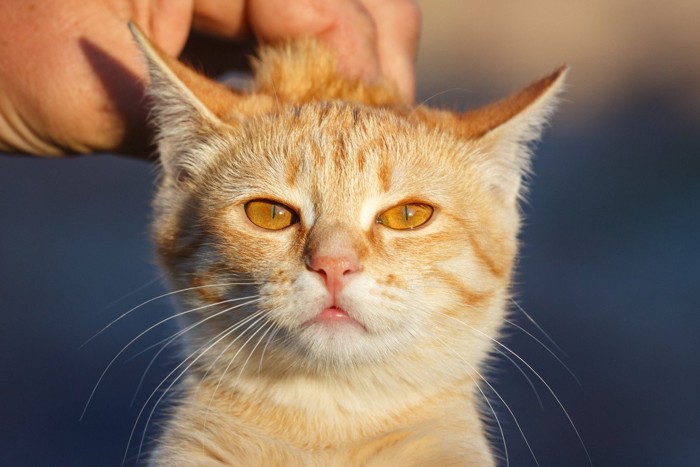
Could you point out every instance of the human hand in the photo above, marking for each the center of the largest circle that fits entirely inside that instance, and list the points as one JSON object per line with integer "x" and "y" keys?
{"x": 71, "y": 78}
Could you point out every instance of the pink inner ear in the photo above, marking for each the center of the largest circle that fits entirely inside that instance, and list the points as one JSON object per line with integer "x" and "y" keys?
{"x": 476, "y": 123}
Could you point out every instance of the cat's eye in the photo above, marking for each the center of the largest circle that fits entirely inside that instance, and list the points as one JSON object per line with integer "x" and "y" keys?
{"x": 269, "y": 214}
{"x": 406, "y": 216}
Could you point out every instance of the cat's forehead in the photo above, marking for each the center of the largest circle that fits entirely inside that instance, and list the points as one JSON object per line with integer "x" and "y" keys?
{"x": 335, "y": 150}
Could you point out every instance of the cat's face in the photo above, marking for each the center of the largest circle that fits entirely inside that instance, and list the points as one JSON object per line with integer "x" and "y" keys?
{"x": 332, "y": 234}
{"x": 366, "y": 233}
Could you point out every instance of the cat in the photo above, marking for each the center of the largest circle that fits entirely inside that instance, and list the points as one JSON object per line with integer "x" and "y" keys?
{"x": 343, "y": 262}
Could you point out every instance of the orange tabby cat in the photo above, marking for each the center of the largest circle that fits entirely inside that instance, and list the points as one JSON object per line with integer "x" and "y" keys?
{"x": 346, "y": 260}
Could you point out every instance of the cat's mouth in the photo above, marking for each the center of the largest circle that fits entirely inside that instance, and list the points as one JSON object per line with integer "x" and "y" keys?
{"x": 334, "y": 317}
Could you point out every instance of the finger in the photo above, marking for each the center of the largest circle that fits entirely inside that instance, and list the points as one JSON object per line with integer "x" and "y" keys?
{"x": 398, "y": 29}
{"x": 344, "y": 25}
{"x": 224, "y": 18}
{"x": 166, "y": 22}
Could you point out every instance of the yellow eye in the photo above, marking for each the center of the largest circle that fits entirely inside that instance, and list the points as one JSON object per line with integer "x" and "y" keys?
{"x": 269, "y": 214}
{"x": 406, "y": 216}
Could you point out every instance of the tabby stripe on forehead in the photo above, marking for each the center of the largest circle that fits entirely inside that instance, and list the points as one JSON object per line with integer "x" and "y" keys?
{"x": 355, "y": 116}
{"x": 385, "y": 175}
{"x": 292, "y": 171}
{"x": 342, "y": 150}
{"x": 323, "y": 111}
{"x": 361, "y": 159}
{"x": 318, "y": 157}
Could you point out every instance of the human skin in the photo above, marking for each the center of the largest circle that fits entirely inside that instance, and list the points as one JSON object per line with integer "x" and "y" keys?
{"x": 72, "y": 80}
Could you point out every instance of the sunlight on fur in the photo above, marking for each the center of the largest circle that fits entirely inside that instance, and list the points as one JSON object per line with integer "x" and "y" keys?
{"x": 344, "y": 260}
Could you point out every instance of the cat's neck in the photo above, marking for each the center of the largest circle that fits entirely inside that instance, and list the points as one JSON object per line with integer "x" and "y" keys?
{"x": 334, "y": 414}
{"x": 362, "y": 390}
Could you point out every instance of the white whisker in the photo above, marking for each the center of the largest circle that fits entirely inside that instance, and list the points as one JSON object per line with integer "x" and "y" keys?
{"x": 269, "y": 339}
{"x": 109, "y": 365}
{"x": 252, "y": 351}
{"x": 515, "y": 419}
{"x": 486, "y": 399}
{"x": 525, "y": 375}
{"x": 539, "y": 328}
{"x": 179, "y": 334}
{"x": 260, "y": 314}
{"x": 231, "y": 360}
{"x": 218, "y": 338}
{"x": 433, "y": 96}
{"x": 158, "y": 298}
{"x": 129, "y": 294}
{"x": 549, "y": 388}
{"x": 546, "y": 348}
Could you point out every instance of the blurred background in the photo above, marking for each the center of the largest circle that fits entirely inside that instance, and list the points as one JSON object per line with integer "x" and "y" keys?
{"x": 610, "y": 264}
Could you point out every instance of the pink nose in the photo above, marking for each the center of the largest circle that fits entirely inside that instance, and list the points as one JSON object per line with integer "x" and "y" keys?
{"x": 335, "y": 270}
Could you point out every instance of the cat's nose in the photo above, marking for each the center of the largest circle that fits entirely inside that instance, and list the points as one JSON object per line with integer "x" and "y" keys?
{"x": 336, "y": 271}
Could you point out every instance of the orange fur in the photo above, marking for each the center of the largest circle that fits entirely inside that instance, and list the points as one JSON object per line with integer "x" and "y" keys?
{"x": 401, "y": 389}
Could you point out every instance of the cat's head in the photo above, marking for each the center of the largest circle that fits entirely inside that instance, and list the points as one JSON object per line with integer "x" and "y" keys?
{"x": 325, "y": 226}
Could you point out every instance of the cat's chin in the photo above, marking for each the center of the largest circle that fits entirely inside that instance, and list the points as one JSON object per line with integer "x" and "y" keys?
{"x": 335, "y": 338}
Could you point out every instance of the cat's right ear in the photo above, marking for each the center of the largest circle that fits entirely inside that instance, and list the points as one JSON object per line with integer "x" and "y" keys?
{"x": 186, "y": 112}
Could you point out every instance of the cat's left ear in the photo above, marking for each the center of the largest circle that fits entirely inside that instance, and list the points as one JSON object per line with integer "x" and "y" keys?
{"x": 504, "y": 131}
{"x": 187, "y": 110}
